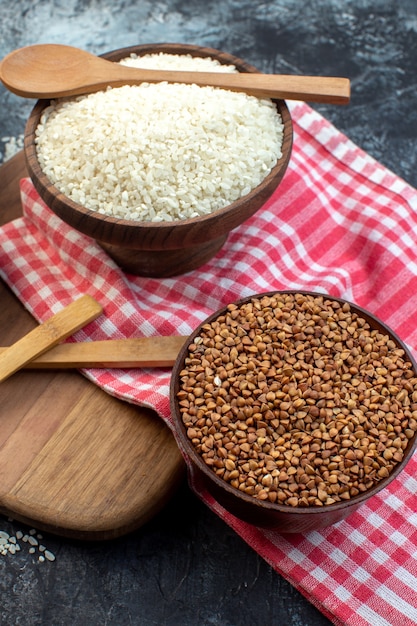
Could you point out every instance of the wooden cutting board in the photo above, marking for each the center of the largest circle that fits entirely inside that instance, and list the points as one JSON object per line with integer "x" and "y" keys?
{"x": 73, "y": 460}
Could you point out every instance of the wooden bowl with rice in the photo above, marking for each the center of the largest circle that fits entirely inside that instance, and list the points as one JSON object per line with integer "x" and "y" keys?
{"x": 161, "y": 188}
{"x": 294, "y": 408}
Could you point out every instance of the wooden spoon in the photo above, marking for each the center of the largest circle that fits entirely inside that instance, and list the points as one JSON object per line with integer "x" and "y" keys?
{"x": 54, "y": 70}
{"x": 49, "y": 334}
{"x": 135, "y": 352}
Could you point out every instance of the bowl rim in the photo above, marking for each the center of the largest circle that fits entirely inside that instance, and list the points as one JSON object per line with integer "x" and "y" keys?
{"x": 230, "y": 213}
{"x": 271, "y": 507}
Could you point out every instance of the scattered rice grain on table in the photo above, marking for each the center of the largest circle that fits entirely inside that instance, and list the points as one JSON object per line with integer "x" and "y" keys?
{"x": 12, "y": 145}
{"x": 11, "y": 544}
{"x": 159, "y": 152}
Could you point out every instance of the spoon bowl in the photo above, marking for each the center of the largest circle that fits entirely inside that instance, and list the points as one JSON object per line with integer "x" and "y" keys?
{"x": 55, "y": 70}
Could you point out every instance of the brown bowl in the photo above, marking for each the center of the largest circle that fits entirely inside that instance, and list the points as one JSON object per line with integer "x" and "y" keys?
{"x": 165, "y": 248}
{"x": 284, "y": 517}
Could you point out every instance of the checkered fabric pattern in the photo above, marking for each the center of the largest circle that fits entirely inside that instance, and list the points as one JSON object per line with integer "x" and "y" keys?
{"x": 339, "y": 223}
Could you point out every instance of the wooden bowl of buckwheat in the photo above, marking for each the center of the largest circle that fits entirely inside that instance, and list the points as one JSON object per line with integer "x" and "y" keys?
{"x": 293, "y": 408}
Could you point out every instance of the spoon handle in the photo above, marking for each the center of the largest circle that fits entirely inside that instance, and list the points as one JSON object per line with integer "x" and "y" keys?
{"x": 46, "y": 335}
{"x": 111, "y": 353}
{"x": 327, "y": 89}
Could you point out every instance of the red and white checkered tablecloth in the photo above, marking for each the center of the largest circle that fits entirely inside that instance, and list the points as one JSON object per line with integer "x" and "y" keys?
{"x": 339, "y": 223}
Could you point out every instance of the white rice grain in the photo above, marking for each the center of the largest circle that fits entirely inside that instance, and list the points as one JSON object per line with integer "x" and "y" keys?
{"x": 159, "y": 152}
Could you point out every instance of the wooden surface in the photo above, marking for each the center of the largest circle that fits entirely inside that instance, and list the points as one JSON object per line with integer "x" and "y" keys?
{"x": 74, "y": 460}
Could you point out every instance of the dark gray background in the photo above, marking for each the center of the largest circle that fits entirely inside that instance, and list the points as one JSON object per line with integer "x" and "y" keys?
{"x": 186, "y": 568}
